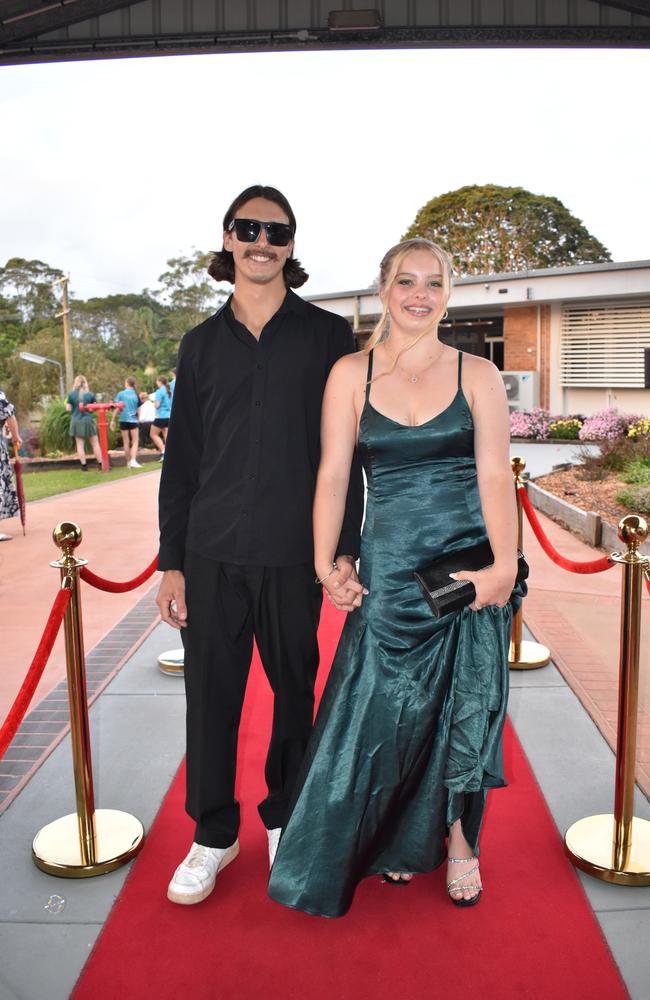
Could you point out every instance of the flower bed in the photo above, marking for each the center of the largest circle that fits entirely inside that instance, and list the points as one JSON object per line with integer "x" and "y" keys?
{"x": 604, "y": 425}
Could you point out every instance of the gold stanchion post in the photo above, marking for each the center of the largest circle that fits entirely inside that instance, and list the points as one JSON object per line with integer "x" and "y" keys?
{"x": 88, "y": 842}
{"x": 616, "y": 848}
{"x": 524, "y": 654}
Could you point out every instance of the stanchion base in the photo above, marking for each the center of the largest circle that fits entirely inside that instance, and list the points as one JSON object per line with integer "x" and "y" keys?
{"x": 172, "y": 662}
{"x": 589, "y": 845}
{"x": 531, "y": 656}
{"x": 56, "y": 847}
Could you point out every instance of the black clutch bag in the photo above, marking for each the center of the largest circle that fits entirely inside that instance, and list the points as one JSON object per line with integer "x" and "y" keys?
{"x": 445, "y": 596}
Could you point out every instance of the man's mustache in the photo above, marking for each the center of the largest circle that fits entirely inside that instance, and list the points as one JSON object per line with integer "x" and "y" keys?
{"x": 260, "y": 253}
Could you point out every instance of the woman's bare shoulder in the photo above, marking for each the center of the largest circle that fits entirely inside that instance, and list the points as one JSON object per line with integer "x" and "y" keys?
{"x": 350, "y": 368}
{"x": 480, "y": 372}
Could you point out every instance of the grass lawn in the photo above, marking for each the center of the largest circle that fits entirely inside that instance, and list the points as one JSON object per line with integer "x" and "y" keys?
{"x": 47, "y": 484}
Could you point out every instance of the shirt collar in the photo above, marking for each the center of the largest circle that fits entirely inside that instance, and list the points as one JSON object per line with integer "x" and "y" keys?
{"x": 291, "y": 303}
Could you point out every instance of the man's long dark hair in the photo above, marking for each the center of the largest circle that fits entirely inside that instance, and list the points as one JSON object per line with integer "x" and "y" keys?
{"x": 222, "y": 264}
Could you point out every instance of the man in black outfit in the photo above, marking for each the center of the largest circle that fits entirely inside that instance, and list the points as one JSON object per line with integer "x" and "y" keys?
{"x": 235, "y": 503}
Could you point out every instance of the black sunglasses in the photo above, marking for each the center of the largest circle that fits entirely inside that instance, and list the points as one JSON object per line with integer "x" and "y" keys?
{"x": 278, "y": 234}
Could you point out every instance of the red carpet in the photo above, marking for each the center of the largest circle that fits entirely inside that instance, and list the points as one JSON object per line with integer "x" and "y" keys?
{"x": 533, "y": 934}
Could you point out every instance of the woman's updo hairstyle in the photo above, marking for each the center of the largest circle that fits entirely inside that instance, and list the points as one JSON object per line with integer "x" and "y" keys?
{"x": 222, "y": 264}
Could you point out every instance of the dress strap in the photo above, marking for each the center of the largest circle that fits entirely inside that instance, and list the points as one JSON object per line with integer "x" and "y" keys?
{"x": 460, "y": 369}
{"x": 369, "y": 375}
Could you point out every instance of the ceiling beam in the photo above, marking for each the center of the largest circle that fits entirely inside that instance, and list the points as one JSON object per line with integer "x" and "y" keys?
{"x": 29, "y": 20}
{"x": 38, "y": 50}
{"x": 635, "y": 7}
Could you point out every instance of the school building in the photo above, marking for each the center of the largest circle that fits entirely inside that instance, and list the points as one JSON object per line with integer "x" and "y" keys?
{"x": 570, "y": 339}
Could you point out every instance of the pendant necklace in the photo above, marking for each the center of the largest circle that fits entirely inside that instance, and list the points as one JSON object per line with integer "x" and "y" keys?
{"x": 415, "y": 376}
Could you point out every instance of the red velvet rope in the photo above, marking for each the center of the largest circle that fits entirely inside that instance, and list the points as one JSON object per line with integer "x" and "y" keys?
{"x": 29, "y": 685}
{"x": 117, "y": 588}
{"x": 594, "y": 566}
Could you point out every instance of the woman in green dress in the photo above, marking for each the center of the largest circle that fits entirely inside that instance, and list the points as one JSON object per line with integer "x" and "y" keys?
{"x": 82, "y": 422}
{"x": 407, "y": 741}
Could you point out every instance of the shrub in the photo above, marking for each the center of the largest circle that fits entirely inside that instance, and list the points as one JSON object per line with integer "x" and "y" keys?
{"x": 567, "y": 428}
{"x": 530, "y": 423}
{"x": 605, "y": 425}
{"x": 616, "y": 455}
{"x": 639, "y": 429}
{"x": 54, "y": 430}
{"x": 636, "y": 499}
{"x": 30, "y": 443}
{"x": 637, "y": 472}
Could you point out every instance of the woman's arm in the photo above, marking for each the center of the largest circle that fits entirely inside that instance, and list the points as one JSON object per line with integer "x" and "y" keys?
{"x": 12, "y": 426}
{"x": 496, "y": 487}
{"x": 338, "y": 438}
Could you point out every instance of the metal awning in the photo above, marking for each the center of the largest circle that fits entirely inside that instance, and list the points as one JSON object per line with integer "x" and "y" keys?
{"x": 56, "y": 30}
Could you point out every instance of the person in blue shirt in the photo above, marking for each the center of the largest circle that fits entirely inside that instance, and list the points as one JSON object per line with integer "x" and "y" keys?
{"x": 172, "y": 384}
{"x": 162, "y": 400}
{"x": 128, "y": 421}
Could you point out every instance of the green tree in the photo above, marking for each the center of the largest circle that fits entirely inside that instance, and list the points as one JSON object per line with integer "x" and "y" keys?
{"x": 124, "y": 326}
{"x": 28, "y": 385}
{"x": 28, "y": 321}
{"x": 11, "y": 330}
{"x": 189, "y": 293}
{"x": 28, "y": 284}
{"x": 113, "y": 336}
{"x": 488, "y": 229}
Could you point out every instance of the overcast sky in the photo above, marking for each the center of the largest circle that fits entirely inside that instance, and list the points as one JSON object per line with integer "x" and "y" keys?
{"x": 109, "y": 168}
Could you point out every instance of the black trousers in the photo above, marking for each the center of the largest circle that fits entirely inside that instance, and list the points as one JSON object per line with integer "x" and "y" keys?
{"x": 227, "y": 606}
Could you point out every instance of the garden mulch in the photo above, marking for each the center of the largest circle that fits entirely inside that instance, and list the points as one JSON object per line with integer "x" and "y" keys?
{"x": 597, "y": 495}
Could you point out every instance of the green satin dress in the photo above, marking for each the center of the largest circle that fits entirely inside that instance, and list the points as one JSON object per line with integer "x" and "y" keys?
{"x": 408, "y": 733}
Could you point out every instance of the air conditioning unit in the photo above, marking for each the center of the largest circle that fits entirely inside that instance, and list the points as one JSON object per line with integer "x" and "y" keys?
{"x": 522, "y": 389}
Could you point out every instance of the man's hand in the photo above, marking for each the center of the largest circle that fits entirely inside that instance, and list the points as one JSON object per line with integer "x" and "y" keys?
{"x": 344, "y": 589}
{"x": 171, "y": 599}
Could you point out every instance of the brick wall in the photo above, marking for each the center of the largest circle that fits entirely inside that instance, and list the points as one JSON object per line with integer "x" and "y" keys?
{"x": 520, "y": 348}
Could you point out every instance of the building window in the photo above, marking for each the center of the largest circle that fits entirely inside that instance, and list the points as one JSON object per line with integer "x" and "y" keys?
{"x": 475, "y": 335}
{"x": 494, "y": 351}
{"x": 603, "y": 345}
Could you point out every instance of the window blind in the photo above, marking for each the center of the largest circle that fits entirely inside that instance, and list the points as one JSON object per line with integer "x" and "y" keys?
{"x": 602, "y": 345}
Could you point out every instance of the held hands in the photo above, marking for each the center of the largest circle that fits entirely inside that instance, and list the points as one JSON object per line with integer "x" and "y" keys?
{"x": 343, "y": 588}
{"x": 171, "y": 599}
{"x": 493, "y": 585}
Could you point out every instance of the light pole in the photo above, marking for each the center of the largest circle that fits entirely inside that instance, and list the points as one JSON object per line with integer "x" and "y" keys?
{"x": 65, "y": 312}
{"x": 38, "y": 359}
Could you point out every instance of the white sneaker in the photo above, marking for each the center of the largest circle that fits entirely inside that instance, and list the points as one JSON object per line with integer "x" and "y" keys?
{"x": 194, "y": 878}
{"x": 274, "y": 840}
{"x": 133, "y": 464}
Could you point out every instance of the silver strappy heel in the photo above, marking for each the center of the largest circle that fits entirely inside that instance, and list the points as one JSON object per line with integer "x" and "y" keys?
{"x": 454, "y": 887}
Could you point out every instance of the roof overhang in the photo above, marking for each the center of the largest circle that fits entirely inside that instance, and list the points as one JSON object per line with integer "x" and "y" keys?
{"x": 59, "y": 30}
{"x": 484, "y": 294}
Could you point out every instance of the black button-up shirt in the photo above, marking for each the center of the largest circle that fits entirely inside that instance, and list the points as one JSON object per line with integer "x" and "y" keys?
{"x": 243, "y": 446}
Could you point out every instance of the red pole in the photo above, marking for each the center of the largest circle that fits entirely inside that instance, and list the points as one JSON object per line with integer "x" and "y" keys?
{"x": 102, "y": 426}
{"x": 103, "y": 439}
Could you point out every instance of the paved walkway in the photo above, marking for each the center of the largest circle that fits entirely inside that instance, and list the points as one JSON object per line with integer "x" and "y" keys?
{"x": 578, "y": 618}
{"x": 120, "y": 538}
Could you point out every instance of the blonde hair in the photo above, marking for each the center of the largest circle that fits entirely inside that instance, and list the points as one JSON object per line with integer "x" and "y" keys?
{"x": 388, "y": 271}
{"x": 81, "y": 383}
